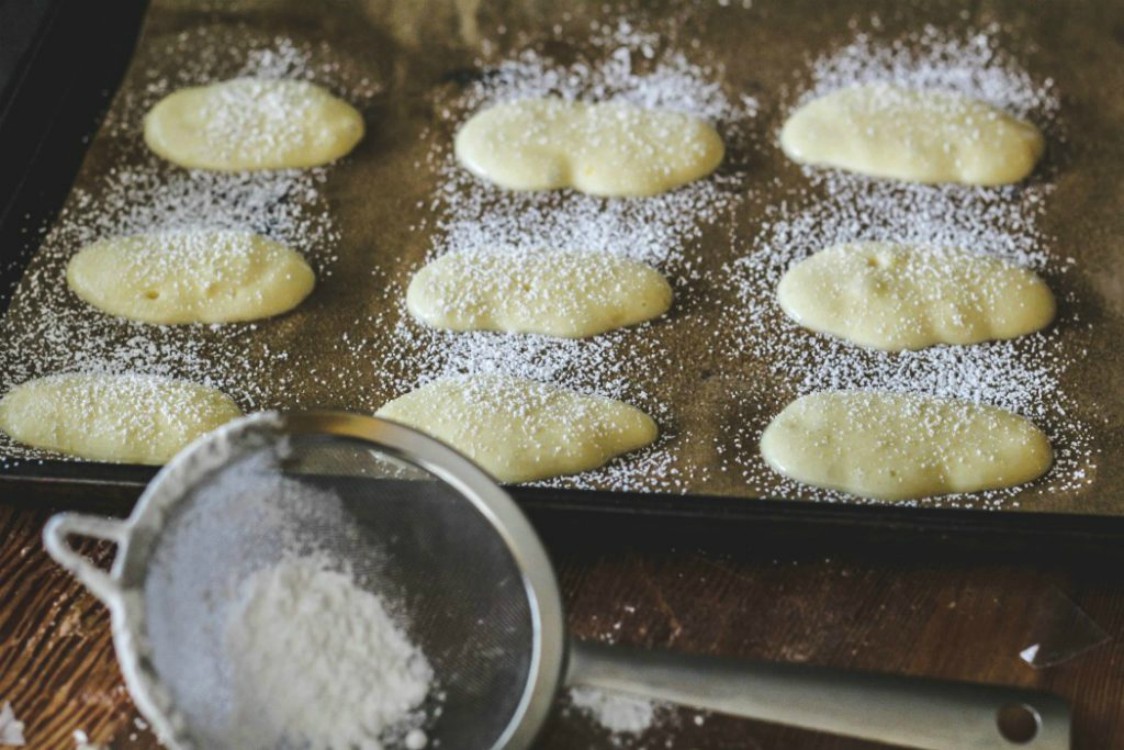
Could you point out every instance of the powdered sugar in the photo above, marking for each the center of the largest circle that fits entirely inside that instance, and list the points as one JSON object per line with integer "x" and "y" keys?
{"x": 82, "y": 742}
{"x": 472, "y": 216}
{"x": 47, "y": 330}
{"x": 270, "y": 617}
{"x": 11, "y": 728}
{"x": 254, "y": 114}
{"x": 723, "y": 344}
{"x": 620, "y": 714}
{"x": 318, "y": 660}
{"x": 1021, "y": 375}
{"x": 972, "y": 65}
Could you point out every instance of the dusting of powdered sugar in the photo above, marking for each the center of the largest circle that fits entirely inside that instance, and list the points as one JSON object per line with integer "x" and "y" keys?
{"x": 47, "y": 330}
{"x": 381, "y": 355}
{"x": 82, "y": 742}
{"x": 974, "y": 65}
{"x": 1021, "y": 375}
{"x": 203, "y": 56}
{"x": 663, "y": 231}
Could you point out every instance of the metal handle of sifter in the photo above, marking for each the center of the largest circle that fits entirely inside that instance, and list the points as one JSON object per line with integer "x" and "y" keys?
{"x": 56, "y": 538}
{"x": 906, "y": 711}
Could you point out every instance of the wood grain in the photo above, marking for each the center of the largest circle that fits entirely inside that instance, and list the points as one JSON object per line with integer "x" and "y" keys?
{"x": 806, "y": 601}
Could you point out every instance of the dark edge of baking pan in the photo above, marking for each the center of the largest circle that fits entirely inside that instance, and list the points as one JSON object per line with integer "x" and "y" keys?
{"x": 55, "y": 87}
{"x": 681, "y": 520}
{"x": 54, "y": 92}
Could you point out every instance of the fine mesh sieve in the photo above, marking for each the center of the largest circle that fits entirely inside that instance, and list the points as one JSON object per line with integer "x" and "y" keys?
{"x": 426, "y": 530}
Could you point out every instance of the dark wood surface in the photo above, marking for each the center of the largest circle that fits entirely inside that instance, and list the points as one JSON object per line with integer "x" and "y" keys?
{"x": 907, "y": 608}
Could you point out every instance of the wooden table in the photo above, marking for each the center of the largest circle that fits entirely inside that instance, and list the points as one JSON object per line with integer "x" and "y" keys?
{"x": 892, "y": 605}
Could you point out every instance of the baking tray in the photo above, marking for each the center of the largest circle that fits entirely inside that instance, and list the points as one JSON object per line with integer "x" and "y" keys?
{"x": 53, "y": 107}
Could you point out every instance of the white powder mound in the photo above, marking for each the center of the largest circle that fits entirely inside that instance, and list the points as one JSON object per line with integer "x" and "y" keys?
{"x": 1021, "y": 375}
{"x": 318, "y": 661}
{"x": 620, "y": 714}
{"x": 269, "y": 613}
{"x": 11, "y": 728}
{"x": 82, "y": 742}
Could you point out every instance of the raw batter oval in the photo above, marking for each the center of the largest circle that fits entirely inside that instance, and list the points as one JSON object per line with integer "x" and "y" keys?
{"x": 520, "y": 430}
{"x": 893, "y": 297}
{"x": 554, "y": 293}
{"x": 897, "y": 446}
{"x": 119, "y": 418}
{"x": 252, "y": 123}
{"x": 926, "y": 136}
{"x": 607, "y": 149}
{"x": 190, "y": 277}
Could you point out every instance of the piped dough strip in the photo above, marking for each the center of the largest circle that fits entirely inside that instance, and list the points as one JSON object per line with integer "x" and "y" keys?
{"x": 896, "y": 446}
{"x": 252, "y": 123}
{"x": 549, "y": 292}
{"x": 139, "y": 419}
{"x": 895, "y": 296}
{"x": 521, "y": 430}
{"x": 607, "y": 148}
{"x": 928, "y": 136}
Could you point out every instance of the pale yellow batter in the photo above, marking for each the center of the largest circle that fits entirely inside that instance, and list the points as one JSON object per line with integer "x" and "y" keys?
{"x": 896, "y": 446}
{"x": 190, "y": 277}
{"x": 555, "y": 293}
{"x": 928, "y": 136}
{"x": 252, "y": 123}
{"x": 609, "y": 149}
{"x": 520, "y": 430}
{"x": 892, "y": 296}
{"x": 120, "y": 418}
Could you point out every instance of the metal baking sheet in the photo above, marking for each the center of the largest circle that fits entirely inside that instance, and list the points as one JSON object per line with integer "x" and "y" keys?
{"x": 412, "y": 68}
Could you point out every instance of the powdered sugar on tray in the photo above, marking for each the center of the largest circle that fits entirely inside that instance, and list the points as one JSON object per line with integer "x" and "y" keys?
{"x": 47, "y": 331}
{"x": 472, "y": 216}
{"x": 975, "y": 66}
{"x": 1021, "y": 375}
{"x": 719, "y": 320}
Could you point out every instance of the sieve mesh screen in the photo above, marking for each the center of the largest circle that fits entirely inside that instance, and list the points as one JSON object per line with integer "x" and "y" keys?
{"x": 438, "y": 563}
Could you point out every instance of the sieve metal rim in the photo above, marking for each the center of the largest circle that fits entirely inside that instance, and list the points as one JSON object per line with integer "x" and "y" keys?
{"x": 121, "y": 588}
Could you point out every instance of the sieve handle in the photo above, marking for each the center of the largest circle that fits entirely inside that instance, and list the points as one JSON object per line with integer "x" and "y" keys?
{"x": 906, "y": 711}
{"x": 56, "y": 538}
